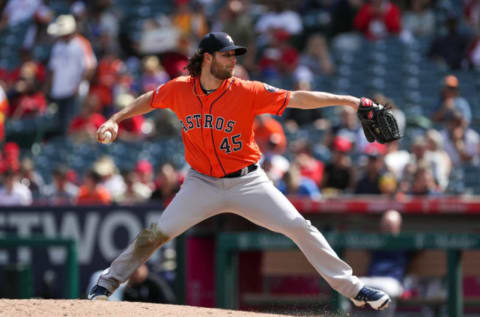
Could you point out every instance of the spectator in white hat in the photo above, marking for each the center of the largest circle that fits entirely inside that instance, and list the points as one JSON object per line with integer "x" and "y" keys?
{"x": 71, "y": 66}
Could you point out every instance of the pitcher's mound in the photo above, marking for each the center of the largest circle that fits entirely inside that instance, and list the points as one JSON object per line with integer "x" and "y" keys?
{"x": 86, "y": 308}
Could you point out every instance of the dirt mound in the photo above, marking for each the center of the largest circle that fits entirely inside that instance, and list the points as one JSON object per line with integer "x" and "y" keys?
{"x": 85, "y": 308}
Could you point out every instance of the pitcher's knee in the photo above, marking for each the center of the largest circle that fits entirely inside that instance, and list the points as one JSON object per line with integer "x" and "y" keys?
{"x": 150, "y": 239}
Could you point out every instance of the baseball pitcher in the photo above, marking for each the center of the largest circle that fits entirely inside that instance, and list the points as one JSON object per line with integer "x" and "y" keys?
{"x": 216, "y": 112}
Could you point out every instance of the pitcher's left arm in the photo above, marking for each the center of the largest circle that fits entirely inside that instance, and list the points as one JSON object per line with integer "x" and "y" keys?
{"x": 303, "y": 99}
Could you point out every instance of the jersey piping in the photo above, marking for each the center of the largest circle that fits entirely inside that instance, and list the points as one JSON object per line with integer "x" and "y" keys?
{"x": 201, "y": 121}
{"x": 284, "y": 104}
{"x": 211, "y": 130}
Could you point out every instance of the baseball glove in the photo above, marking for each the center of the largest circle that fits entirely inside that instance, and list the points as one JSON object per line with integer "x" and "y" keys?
{"x": 378, "y": 122}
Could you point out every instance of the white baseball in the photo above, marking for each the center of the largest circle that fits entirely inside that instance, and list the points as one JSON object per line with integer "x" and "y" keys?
{"x": 107, "y": 137}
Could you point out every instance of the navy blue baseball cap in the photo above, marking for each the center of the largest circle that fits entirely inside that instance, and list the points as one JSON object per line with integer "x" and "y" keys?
{"x": 220, "y": 42}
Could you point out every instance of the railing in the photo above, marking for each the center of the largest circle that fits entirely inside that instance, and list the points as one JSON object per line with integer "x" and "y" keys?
{"x": 72, "y": 280}
{"x": 229, "y": 244}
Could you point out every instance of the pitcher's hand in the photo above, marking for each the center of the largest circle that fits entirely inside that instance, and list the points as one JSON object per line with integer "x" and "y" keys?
{"x": 107, "y": 132}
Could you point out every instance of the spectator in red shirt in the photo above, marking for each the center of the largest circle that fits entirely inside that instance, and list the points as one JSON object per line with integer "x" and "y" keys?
{"x": 378, "y": 18}
{"x": 28, "y": 64}
{"x": 309, "y": 166}
{"x": 84, "y": 126}
{"x": 129, "y": 129}
{"x": 103, "y": 85}
{"x": 91, "y": 192}
{"x": 145, "y": 172}
{"x": 279, "y": 57}
{"x": 175, "y": 64}
{"x": 11, "y": 157}
{"x": 27, "y": 100}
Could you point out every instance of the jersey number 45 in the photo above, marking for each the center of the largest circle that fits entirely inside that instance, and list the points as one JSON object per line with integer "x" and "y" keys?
{"x": 232, "y": 145}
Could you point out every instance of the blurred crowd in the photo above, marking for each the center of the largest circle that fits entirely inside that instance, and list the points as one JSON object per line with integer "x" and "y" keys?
{"x": 87, "y": 61}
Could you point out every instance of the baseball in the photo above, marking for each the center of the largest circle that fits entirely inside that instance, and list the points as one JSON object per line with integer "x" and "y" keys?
{"x": 107, "y": 137}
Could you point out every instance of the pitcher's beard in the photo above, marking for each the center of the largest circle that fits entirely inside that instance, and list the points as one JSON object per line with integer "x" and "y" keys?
{"x": 220, "y": 72}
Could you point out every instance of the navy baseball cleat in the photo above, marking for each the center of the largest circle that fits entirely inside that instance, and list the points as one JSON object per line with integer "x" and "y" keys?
{"x": 99, "y": 293}
{"x": 377, "y": 299}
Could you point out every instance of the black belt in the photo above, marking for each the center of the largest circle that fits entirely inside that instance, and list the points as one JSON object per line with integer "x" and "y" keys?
{"x": 242, "y": 172}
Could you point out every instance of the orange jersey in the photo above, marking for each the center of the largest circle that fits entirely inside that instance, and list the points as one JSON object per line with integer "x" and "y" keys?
{"x": 218, "y": 128}
{"x": 99, "y": 196}
{"x": 268, "y": 129}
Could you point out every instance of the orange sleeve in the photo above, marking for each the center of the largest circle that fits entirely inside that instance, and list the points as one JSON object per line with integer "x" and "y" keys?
{"x": 164, "y": 96}
{"x": 90, "y": 59}
{"x": 104, "y": 196}
{"x": 82, "y": 192}
{"x": 4, "y": 106}
{"x": 269, "y": 99}
{"x": 3, "y": 102}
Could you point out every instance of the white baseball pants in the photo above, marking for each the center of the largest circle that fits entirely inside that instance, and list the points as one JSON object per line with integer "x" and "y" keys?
{"x": 253, "y": 197}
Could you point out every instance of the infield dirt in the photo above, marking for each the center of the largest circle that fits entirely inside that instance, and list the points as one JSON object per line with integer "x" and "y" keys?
{"x": 86, "y": 308}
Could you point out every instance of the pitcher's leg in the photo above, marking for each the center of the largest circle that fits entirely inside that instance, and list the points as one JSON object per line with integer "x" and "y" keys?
{"x": 197, "y": 200}
{"x": 137, "y": 253}
{"x": 260, "y": 202}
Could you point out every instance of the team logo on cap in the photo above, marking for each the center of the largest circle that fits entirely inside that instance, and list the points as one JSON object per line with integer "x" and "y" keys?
{"x": 270, "y": 88}
{"x": 229, "y": 38}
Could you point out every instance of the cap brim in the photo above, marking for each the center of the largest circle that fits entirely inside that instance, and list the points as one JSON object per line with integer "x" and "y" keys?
{"x": 239, "y": 50}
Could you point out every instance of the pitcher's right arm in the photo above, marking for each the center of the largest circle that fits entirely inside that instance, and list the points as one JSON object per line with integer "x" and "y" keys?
{"x": 139, "y": 106}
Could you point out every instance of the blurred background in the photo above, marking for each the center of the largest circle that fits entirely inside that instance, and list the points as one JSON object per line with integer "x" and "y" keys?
{"x": 66, "y": 66}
